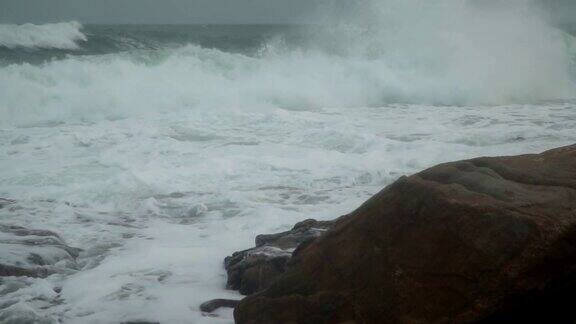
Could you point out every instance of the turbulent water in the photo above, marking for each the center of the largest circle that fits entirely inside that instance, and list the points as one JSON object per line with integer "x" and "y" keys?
{"x": 159, "y": 150}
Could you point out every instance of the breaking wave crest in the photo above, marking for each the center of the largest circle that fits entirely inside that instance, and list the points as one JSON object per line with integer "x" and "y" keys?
{"x": 63, "y": 35}
{"x": 446, "y": 52}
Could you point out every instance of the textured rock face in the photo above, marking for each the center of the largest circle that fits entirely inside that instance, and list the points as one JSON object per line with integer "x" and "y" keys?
{"x": 214, "y": 304}
{"x": 5, "y": 202}
{"x": 33, "y": 253}
{"x": 488, "y": 239}
{"x": 254, "y": 269}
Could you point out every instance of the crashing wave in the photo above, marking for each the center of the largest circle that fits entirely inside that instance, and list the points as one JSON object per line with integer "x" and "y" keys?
{"x": 399, "y": 51}
{"x": 571, "y": 48}
{"x": 64, "y": 35}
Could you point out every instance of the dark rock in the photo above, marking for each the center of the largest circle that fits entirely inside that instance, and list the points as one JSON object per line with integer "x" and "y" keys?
{"x": 22, "y": 231}
{"x": 302, "y": 231}
{"x": 488, "y": 239}
{"x": 8, "y": 271}
{"x": 214, "y": 304}
{"x": 34, "y": 253}
{"x": 254, "y": 269}
{"x": 5, "y": 202}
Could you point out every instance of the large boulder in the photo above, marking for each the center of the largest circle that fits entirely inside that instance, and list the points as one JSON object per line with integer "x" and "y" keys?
{"x": 487, "y": 239}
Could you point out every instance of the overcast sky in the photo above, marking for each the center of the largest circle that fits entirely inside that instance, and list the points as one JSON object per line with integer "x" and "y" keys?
{"x": 186, "y": 11}
{"x": 156, "y": 11}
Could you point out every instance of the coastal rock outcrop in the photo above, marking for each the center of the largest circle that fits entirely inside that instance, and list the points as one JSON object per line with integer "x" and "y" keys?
{"x": 214, "y": 304}
{"x": 33, "y": 253}
{"x": 5, "y": 202}
{"x": 487, "y": 239}
{"x": 252, "y": 270}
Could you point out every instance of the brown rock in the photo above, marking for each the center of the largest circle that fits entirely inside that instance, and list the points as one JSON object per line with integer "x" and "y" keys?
{"x": 488, "y": 239}
{"x": 254, "y": 269}
{"x": 214, "y": 304}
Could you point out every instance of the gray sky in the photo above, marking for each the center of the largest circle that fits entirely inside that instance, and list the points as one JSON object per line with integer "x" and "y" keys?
{"x": 156, "y": 11}
{"x": 564, "y": 10}
{"x": 187, "y": 11}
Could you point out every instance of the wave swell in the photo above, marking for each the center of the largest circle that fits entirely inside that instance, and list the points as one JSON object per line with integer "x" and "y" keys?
{"x": 63, "y": 35}
{"x": 446, "y": 52}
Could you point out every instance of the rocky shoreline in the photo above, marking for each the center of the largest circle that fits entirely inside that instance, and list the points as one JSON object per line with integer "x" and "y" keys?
{"x": 253, "y": 270}
{"x": 481, "y": 240}
{"x": 34, "y": 253}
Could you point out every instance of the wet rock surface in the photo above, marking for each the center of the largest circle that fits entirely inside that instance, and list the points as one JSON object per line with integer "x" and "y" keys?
{"x": 34, "y": 253}
{"x": 5, "y": 202}
{"x": 482, "y": 240}
{"x": 252, "y": 270}
{"x": 214, "y": 304}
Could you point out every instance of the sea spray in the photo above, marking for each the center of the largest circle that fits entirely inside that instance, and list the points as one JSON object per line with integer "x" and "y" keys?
{"x": 456, "y": 51}
{"x": 64, "y": 35}
{"x": 411, "y": 51}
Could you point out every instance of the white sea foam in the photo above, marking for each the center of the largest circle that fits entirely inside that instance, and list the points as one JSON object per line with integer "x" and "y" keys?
{"x": 64, "y": 35}
{"x": 156, "y": 201}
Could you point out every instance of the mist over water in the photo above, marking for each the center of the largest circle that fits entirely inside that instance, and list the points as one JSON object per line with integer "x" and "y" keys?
{"x": 60, "y": 35}
{"x": 159, "y": 150}
{"x": 456, "y": 51}
{"x": 441, "y": 52}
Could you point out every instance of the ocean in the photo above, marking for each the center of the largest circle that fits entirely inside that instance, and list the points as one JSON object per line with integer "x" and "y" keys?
{"x": 160, "y": 149}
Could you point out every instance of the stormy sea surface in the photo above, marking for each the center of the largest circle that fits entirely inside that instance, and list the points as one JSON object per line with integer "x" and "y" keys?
{"x": 159, "y": 150}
